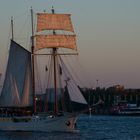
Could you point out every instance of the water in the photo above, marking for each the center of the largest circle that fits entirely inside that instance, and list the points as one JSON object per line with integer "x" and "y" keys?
{"x": 91, "y": 128}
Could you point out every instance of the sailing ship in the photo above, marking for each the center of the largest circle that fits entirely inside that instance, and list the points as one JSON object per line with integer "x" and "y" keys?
{"x": 18, "y": 110}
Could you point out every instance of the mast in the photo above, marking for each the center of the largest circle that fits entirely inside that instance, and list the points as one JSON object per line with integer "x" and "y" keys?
{"x": 55, "y": 79}
{"x": 12, "y": 26}
{"x": 53, "y": 21}
{"x": 33, "y": 77}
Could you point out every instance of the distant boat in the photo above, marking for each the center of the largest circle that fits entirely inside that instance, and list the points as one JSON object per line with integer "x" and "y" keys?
{"x": 18, "y": 99}
{"x": 125, "y": 109}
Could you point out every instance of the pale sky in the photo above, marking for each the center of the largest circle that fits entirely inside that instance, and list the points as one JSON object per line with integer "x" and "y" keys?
{"x": 108, "y": 34}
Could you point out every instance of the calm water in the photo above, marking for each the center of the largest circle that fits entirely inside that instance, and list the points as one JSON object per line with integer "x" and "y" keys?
{"x": 91, "y": 128}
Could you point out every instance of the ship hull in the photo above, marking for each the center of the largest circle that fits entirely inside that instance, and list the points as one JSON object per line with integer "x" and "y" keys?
{"x": 66, "y": 123}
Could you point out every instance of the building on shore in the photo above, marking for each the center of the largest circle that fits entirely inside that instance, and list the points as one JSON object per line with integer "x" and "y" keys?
{"x": 110, "y": 96}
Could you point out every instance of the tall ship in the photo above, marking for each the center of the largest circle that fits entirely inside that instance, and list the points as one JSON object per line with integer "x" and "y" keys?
{"x": 18, "y": 100}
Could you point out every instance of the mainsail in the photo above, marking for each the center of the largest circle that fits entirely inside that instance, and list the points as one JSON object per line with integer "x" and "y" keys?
{"x": 18, "y": 78}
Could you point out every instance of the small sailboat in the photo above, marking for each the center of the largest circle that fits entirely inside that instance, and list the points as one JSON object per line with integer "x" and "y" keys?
{"x": 18, "y": 108}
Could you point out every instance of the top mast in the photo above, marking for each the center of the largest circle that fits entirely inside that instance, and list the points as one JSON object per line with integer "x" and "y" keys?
{"x": 53, "y": 10}
{"x": 32, "y": 22}
{"x": 12, "y": 26}
{"x": 32, "y": 50}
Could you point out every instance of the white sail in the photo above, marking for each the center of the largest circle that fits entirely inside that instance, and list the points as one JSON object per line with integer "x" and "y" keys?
{"x": 15, "y": 94}
{"x": 27, "y": 88}
{"x": 18, "y": 66}
{"x": 55, "y": 41}
{"x": 46, "y": 21}
{"x": 74, "y": 93}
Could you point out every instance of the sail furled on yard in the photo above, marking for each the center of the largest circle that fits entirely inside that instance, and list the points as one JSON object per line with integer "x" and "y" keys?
{"x": 17, "y": 89}
{"x": 47, "y": 21}
{"x": 55, "y": 41}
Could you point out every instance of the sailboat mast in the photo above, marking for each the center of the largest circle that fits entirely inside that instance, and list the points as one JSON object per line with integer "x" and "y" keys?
{"x": 12, "y": 26}
{"x": 33, "y": 77}
{"x": 55, "y": 79}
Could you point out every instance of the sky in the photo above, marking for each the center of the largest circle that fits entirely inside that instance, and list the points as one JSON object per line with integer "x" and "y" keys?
{"x": 108, "y": 36}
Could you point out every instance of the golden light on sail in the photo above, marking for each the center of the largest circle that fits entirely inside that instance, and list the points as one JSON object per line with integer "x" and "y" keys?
{"x": 55, "y": 41}
{"x": 46, "y": 21}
